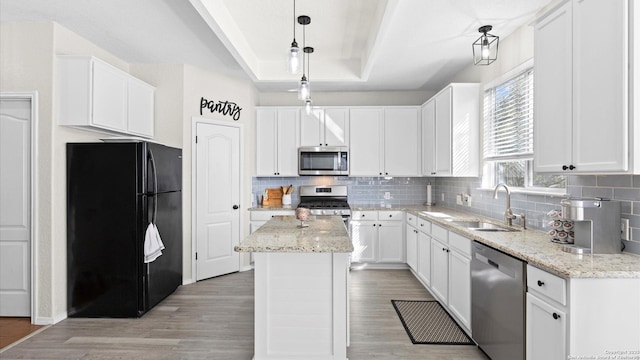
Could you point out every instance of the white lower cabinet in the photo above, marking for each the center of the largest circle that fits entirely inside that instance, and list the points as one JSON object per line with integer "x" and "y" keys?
{"x": 581, "y": 318}
{"x": 424, "y": 257}
{"x": 378, "y": 237}
{"x": 460, "y": 287}
{"x": 439, "y": 270}
{"x": 444, "y": 267}
{"x": 411, "y": 242}
{"x": 546, "y": 330}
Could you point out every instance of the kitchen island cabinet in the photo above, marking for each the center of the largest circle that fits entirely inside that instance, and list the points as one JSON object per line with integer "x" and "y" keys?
{"x": 301, "y": 294}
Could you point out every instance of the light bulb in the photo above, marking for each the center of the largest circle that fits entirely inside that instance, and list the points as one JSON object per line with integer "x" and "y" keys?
{"x": 293, "y": 60}
{"x": 303, "y": 90}
{"x": 307, "y": 105}
{"x": 485, "y": 51}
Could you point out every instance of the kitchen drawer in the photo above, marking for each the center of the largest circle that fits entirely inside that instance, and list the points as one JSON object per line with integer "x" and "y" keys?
{"x": 267, "y": 215}
{"x": 424, "y": 226}
{"x": 549, "y": 285}
{"x": 411, "y": 219}
{"x": 460, "y": 243}
{"x": 390, "y": 215}
{"x": 439, "y": 233}
{"x": 364, "y": 215}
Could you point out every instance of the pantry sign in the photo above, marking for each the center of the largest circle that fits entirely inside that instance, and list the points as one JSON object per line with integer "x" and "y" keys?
{"x": 222, "y": 107}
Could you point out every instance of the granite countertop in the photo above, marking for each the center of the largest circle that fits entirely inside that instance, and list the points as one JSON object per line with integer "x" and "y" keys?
{"x": 273, "y": 207}
{"x": 532, "y": 246}
{"x": 325, "y": 234}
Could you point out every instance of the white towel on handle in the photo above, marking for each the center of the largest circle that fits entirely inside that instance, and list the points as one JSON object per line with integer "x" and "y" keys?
{"x": 153, "y": 245}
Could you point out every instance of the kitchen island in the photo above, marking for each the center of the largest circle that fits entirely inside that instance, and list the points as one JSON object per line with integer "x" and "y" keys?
{"x": 300, "y": 288}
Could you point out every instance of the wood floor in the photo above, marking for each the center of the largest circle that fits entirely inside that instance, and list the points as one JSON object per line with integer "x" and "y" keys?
{"x": 213, "y": 319}
{"x": 15, "y": 328}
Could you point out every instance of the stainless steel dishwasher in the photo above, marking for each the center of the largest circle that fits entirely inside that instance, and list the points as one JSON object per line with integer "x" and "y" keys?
{"x": 498, "y": 287}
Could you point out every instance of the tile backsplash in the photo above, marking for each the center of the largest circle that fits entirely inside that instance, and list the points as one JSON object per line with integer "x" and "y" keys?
{"x": 362, "y": 190}
{"x": 413, "y": 190}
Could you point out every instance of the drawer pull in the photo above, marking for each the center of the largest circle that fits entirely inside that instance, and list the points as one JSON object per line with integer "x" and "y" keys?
{"x": 556, "y": 316}
{"x": 540, "y": 283}
{"x": 390, "y": 215}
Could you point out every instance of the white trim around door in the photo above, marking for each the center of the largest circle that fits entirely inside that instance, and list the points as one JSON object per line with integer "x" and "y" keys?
{"x": 33, "y": 98}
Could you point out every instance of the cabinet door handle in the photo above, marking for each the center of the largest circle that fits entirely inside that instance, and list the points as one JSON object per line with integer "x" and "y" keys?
{"x": 564, "y": 167}
{"x": 540, "y": 283}
{"x": 379, "y": 225}
{"x": 374, "y": 224}
{"x": 571, "y": 167}
{"x": 235, "y": 207}
{"x": 556, "y": 316}
{"x": 380, "y": 173}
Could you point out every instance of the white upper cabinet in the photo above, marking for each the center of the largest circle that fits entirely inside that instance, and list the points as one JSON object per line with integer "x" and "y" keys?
{"x": 384, "y": 141}
{"x": 325, "y": 127}
{"x": 450, "y": 132}
{"x": 581, "y": 88}
{"x": 277, "y": 141}
{"x": 365, "y": 142}
{"x": 402, "y": 141}
{"x": 94, "y": 95}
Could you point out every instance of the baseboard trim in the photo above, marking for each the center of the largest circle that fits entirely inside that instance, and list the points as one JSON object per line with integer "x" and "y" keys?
{"x": 42, "y": 320}
{"x": 246, "y": 268}
{"x": 187, "y": 281}
{"x": 378, "y": 266}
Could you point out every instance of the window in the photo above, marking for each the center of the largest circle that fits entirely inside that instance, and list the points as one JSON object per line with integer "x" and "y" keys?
{"x": 508, "y": 135}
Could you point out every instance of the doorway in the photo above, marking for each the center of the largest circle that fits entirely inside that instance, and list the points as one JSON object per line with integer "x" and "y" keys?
{"x": 17, "y": 184}
{"x": 217, "y": 197}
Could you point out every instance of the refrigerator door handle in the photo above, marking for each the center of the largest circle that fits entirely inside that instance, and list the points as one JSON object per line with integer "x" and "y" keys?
{"x": 155, "y": 186}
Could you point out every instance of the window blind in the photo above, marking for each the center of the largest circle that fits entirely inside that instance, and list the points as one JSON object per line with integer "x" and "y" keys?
{"x": 508, "y": 119}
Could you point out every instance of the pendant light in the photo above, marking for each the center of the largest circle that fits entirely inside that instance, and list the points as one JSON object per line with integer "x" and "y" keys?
{"x": 308, "y": 50}
{"x": 303, "y": 89}
{"x": 485, "y": 49}
{"x": 293, "y": 57}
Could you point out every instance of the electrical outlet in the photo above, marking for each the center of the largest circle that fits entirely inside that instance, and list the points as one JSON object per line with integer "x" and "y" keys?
{"x": 624, "y": 229}
{"x": 442, "y": 196}
{"x": 387, "y": 195}
{"x": 459, "y": 199}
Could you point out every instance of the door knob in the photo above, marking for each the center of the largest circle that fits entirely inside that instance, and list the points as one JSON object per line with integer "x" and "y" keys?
{"x": 235, "y": 207}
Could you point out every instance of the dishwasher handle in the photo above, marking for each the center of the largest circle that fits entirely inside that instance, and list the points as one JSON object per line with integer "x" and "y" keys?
{"x": 500, "y": 267}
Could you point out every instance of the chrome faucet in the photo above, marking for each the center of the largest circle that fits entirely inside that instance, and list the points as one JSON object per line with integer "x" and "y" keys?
{"x": 508, "y": 214}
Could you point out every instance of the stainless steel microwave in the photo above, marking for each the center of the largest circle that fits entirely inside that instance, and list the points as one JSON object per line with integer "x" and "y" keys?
{"x": 323, "y": 160}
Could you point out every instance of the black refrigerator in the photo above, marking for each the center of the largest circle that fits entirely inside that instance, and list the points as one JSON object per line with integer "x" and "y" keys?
{"x": 114, "y": 190}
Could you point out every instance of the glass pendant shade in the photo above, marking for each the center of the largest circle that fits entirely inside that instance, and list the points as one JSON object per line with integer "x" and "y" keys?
{"x": 293, "y": 60}
{"x": 304, "y": 90}
{"x": 485, "y": 48}
{"x": 307, "y": 106}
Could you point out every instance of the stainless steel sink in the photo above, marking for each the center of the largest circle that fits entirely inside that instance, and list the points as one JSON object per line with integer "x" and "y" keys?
{"x": 479, "y": 225}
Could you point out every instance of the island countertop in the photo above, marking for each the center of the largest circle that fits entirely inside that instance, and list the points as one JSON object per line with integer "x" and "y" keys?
{"x": 325, "y": 234}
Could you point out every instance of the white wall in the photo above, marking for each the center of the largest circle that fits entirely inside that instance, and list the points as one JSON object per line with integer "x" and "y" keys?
{"x": 27, "y": 63}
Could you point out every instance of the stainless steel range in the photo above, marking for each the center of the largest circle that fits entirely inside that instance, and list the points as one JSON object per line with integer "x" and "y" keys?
{"x": 326, "y": 200}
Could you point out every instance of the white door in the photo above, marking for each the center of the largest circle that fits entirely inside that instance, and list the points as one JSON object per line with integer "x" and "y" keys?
{"x": 15, "y": 209}
{"x": 217, "y": 200}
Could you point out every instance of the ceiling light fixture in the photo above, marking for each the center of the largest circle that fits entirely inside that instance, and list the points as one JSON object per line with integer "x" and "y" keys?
{"x": 485, "y": 49}
{"x": 293, "y": 57}
{"x": 303, "y": 89}
{"x": 308, "y": 50}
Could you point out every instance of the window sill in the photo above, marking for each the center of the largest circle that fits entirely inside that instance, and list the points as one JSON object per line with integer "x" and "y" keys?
{"x": 553, "y": 193}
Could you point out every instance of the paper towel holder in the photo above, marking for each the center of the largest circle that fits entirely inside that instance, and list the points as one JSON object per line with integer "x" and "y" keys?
{"x": 430, "y": 201}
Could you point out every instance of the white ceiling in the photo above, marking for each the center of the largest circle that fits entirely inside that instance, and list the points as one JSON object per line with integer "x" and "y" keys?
{"x": 359, "y": 44}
